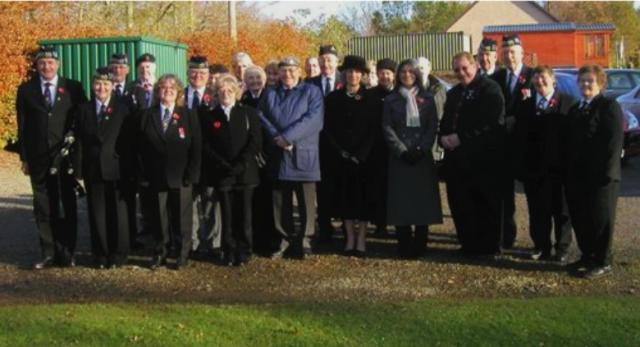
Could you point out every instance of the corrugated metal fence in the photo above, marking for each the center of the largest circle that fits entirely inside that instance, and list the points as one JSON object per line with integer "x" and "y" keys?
{"x": 439, "y": 48}
{"x": 80, "y": 57}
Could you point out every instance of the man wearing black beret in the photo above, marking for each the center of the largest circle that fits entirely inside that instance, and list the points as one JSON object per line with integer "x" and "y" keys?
{"x": 515, "y": 82}
{"x": 487, "y": 56}
{"x": 46, "y": 106}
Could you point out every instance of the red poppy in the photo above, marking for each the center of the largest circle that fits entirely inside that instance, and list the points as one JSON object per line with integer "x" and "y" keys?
{"x": 217, "y": 124}
{"x": 175, "y": 116}
{"x": 552, "y": 102}
{"x": 521, "y": 79}
{"x": 339, "y": 86}
{"x": 420, "y": 100}
{"x": 60, "y": 90}
{"x": 206, "y": 98}
{"x": 109, "y": 110}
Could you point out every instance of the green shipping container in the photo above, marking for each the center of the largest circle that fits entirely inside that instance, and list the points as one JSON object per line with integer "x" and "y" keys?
{"x": 439, "y": 48}
{"x": 79, "y": 58}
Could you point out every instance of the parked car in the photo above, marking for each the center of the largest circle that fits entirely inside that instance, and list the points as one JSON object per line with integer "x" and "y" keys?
{"x": 566, "y": 82}
{"x": 619, "y": 81}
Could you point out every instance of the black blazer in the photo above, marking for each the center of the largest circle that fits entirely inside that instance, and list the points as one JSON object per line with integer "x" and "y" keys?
{"x": 248, "y": 99}
{"x": 476, "y": 114}
{"x": 230, "y": 147}
{"x": 538, "y": 137}
{"x": 348, "y": 126}
{"x": 317, "y": 81}
{"x": 171, "y": 159}
{"x": 105, "y": 151}
{"x": 512, "y": 102}
{"x": 41, "y": 128}
{"x": 594, "y": 142}
{"x": 136, "y": 97}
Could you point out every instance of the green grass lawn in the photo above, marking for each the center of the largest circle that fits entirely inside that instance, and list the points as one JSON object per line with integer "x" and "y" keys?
{"x": 509, "y": 322}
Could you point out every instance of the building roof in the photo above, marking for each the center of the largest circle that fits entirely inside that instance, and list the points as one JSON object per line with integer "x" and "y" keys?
{"x": 534, "y": 3}
{"x": 546, "y": 27}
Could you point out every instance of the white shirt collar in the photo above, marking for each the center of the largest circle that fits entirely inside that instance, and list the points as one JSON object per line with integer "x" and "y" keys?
{"x": 53, "y": 81}
{"x": 518, "y": 70}
{"x": 227, "y": 110}
{"x": 99, "y": 105}
{"x": 200, "y": 90}
{"x": 163, "y": 107}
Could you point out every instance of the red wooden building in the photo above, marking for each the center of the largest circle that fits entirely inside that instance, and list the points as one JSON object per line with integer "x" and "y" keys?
{"x": 560, "y": 44}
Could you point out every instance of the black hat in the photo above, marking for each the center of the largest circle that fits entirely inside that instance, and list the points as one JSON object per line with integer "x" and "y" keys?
{"x": 354, "y": 62}
{"x": 218, "y": 68}
{"x": 147, "y": 57}
{"x": 387, "y": 64}
{"x": 289, "y": 61}
{"x": 119, "y": 58}
{"x": 47, "y": 52}
{"x": 103, "y": 74}
{"x": 328, "y": 49}
{"x": 198, "y": 62}
{"x": 511, "y": 40}
{"x": 488, "y": 45}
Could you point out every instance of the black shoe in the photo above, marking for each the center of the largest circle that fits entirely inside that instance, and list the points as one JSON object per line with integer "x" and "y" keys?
{"x": 359, "y": 254}
{"x": 181, "y": 263}
{"x": 100, "y": 263}
{"x": 581, "y": 265}
{"x": 241, "y": 260}
{"x": 69, "y": 262}
{"x": 540, "y": 255}
{"x": 228, "y": 261}
{"x": 597, "y": 271}
{"x": 561, "y": 256}
{"x": 157, "y": 262}
{"x": 44, "y": 263}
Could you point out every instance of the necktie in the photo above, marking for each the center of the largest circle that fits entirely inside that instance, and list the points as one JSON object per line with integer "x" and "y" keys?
{"x": 510, "y": 81}
{"x": 119, "y": 90}
{"x": 584, "y": 105}
{"x": 102, "y": 114}
{"x": 147, "y": 98}
{"x": 327, "y": 87}
{"x": 47, "y": 94}
{"x": 195, "y": 102}
{"x": 541, "y": 103}
{"x": 166, "y": 117}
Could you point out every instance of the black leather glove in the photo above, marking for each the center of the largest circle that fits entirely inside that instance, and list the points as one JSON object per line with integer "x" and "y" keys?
{"x": 416, "y": 155}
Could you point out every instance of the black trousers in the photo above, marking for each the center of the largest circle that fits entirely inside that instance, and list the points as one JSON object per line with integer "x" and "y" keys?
{"x": 476, "y": 211}
{"x": 288, "y": 235}
{"x": 412, "y": 245}
{"x": 128, "y": 192}
{"x": 509, "y": 227}
{"x": 264, "y": 231}
{"x": 55, "y": 210}
{"x": 108, "y": 221}
{"x": 171, "y": 219}
{"x": 324, "y": 189}
{"x": 235, "y": 205}
{"x": 548, "y": 211}
{"x": 593, "y": 215}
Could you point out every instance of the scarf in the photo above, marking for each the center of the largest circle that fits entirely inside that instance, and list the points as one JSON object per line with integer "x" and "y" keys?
{"x": 413, "y": 115}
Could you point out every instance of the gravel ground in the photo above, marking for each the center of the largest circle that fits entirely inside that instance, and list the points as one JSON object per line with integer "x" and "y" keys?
{"x": 324, "y": 277}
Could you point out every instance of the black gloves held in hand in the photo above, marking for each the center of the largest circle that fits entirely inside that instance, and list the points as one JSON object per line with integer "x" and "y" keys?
{"x": 412, "y": 156}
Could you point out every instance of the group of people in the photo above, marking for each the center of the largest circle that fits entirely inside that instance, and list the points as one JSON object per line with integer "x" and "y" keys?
{"x": 221, "y": 164}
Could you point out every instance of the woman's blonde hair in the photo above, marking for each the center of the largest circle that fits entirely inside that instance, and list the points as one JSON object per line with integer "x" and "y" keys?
{"x": 229, "y": 80}
{"x": 177, "y": 84}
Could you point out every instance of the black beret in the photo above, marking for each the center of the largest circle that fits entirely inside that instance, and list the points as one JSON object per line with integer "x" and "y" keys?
{"x": 387, "y": 64}
{"x": 103, "y": 74}
{"x": 198, "y": 62}
{"x": 47, "y": 52}
{"x": 218, "y": 68}
{"x": 119, "y": 58}
{"x": 328, "y": 49}
{"x": 488, "y": 45}
{"x": 147, "y": 57}
{"x": 511, "y": 40}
